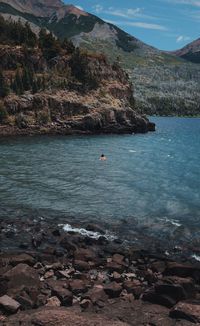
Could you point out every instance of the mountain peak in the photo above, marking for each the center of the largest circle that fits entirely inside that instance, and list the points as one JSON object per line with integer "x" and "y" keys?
{"x": 41, "y": 8}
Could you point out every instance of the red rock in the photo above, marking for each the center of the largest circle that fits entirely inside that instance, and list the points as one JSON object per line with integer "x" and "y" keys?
{"x": 84, "y": 255}
{"x": 22, "y": 259}
{"x": 174, "y": 291}
{"x": 22, "y": 275}
{"x": 186, "y": 283}
{"x": 85, "y": 304}
{"x": 187, "y": 311}
{"x": 113, "y": 290}
{"x": 53, "y": 302}
{"x": 64, "y": 295}
{"x": 96, "y": 294}
{"x": 160, "y": 299}
{"x": 77, "y": 286}
{"x": 158, "y": 266}
{"x": 81, "y": 265}
{"x": 117, "y": 258}
{"x": 48, "y": 274}
{"x": 9, "y": 304}
{"x": 114, "y": 267}
{"x": 130, "y": 285}
{"x": 181, "y": 270}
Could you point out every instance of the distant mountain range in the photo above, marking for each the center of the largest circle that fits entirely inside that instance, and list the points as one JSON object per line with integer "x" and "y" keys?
{"x": 190, "y": 52}
{"x": 159, "y": 78}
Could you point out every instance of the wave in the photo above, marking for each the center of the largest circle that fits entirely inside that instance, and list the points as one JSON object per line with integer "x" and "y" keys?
{"x": 196, "y": 257}
{"x": 84, "y": 232}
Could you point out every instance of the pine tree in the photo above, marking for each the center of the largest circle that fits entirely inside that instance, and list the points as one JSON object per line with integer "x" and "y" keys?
{"x": 4, "y": 89}
{"x": 18, "y": 84}
{"x": 26, "y": 79}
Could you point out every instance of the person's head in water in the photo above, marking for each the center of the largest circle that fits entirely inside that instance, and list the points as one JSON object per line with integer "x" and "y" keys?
{"x": 103, "y": 157}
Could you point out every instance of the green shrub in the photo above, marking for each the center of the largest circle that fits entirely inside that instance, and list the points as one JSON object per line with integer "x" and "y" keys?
{"x": 21, "y": 121}
{"x": 43, "y": 117}
{"x": 3, "y": 114}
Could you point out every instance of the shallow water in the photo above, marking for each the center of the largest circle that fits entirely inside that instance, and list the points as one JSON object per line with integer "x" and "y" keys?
{"x": 150, "y": 182}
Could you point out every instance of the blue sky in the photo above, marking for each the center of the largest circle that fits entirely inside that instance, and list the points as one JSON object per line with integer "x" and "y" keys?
{"x": 165, "y": 24}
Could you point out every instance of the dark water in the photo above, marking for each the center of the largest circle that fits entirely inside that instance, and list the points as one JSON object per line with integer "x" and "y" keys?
{"x": 150, "y": 183}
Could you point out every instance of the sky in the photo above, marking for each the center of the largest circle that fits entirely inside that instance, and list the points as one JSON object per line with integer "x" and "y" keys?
{"x": 165, "y": 24}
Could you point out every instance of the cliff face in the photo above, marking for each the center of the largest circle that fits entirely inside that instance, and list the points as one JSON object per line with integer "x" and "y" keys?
{"x": 108, "y": 108}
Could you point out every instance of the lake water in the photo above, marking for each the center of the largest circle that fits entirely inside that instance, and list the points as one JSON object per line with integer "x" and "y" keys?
{"x": 148, "y": 187}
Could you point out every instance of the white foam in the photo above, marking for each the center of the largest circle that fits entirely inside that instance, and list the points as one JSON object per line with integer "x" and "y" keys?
{"x": 196, "y": 257}
{"x": 132, "y": 151}
{"x": 90, "y": 234}
{"x": 173, "y": 222}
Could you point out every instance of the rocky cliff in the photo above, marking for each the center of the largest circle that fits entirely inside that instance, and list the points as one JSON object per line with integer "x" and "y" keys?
{"x": 64, "y": 91}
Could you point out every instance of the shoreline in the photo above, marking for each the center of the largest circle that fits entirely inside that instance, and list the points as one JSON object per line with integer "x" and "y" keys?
{"x": 56, "y": 272}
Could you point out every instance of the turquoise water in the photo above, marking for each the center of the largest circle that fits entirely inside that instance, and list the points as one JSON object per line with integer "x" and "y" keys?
{"x": 151, "y": 181}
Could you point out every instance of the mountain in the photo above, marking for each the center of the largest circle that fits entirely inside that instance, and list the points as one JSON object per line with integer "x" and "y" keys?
{"x": 164, "y": 83}
{"x": 190, "y": 52}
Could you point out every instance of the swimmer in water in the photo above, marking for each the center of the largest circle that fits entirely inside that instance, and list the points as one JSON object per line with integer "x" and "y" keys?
{"x": 103, "y": 158}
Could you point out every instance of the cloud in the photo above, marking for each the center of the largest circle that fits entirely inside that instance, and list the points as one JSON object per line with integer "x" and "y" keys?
{"x": 195, "y": 3}
{"x": 182, "y": 38}
{"x": 128, "y": 13}
{"x": 139, "y": 25}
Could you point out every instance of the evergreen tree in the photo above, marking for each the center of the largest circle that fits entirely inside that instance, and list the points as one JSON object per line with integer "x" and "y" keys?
{"x": 4, "y": 89}
{"x": 18, "y": 84}
{"x": 26, "y": 79}
{"x": 34, "y": 86}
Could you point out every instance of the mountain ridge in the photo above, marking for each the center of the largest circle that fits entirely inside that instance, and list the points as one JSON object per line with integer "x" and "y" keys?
{"x": 159, "y": 77}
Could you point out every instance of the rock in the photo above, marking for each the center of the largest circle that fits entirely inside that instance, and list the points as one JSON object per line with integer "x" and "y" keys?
{"x": 77, "y": 287}
{"x": 53, "y": 302}
{"x": 160, "y": 299}
{"x": 186, "y": 283}
{"x": 119, "y": 259}
{"x": 22, "y": 275}
{"x": 8, "y": 304}
{"x": 117, "y": 277}
{"x": 129, "y": 285}
{"x": 25, "y": 301}
{"x": 59, "y": 316}
{"x": 54, "y": 266}
{"x": 158, "y": 266}
{"x": 174, "y": 291}
{"x": 114, "y": 267}
{"x": 21, "y": 259}
{"x": 113, "y": 290}
{"x": 64, "y": 295}
{"x": 48, "y": 274}
{"x": 63, "y": 274}
{"x": 56, "y": 233}
{"x": 96, "y": 294}
{"x": 187, "y": 311}
{"x": 95, "y": 228}
{"x": 81, "y": 265}
{"x": 67, "y": 244}
{"x": 85, "y": 304}
{"x": 181, "y": 270}
{"x": 84, "y": 255}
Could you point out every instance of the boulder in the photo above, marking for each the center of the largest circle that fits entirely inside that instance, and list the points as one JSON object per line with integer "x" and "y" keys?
{"x": 187, "y": 284}
{"x": 85, "y": 304}
{"x": 22, "y": 259}
{"x": 160, "y": 299}
{"x": 119, "y": 259}
{"x": 187, "y": 311}
{"x": 174, "y": 291}
{"x": 182, "y": 270}
{"x": 77, "y": 286}
{"x": 64, "y": 295}
{"x": 113, "y": 290}
{"x": 20, "y": 276}
{"x": 8, "y": 304}
{"x": 114, "y": 267}
{"x": 95, "y": 294}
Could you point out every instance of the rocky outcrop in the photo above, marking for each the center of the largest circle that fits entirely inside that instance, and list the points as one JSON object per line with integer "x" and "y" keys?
{"x": 106, "y": 110}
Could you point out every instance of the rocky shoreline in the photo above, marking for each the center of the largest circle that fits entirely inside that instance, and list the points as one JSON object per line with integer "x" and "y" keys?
{"x": 55, "y": 277}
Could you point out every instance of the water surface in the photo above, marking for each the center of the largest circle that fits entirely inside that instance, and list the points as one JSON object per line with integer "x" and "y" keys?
{"x": 150, "y": 182}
